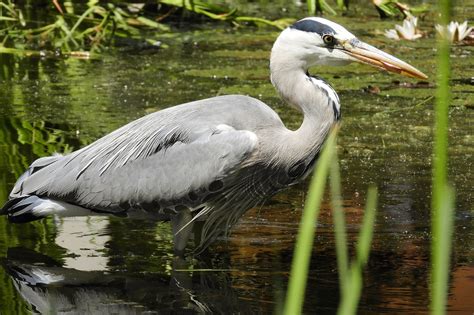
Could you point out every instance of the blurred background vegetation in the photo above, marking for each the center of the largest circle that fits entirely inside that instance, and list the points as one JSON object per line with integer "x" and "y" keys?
{"x": 76, "y": 28}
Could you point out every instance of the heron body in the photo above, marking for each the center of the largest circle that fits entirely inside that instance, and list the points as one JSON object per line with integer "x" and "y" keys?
{"x": 208, "y": 160}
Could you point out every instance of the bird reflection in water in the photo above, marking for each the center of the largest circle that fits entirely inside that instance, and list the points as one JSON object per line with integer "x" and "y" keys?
{"x": 51, "y": 288}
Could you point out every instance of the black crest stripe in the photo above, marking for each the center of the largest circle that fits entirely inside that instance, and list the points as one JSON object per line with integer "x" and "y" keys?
{"x": 313, "y": 26}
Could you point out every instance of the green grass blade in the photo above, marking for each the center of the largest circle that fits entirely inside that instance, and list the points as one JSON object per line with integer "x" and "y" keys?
{"x": 6, "y": 18}
{"x": 441, "y": 114}
{"x": 256, "y": 20}
{"x": 367, "y": 228}
{"x": 443, "y": 196}
{"x": 387, "y": 9}
{"x": 352, "y": 289}
{"x": 8, "y": 8}
{"x": 312, "y": 7}
{"x": 441, "y": 252}
{"x": 339, "y": 224}
{"x": 341, "y": 4}
{"x": 353, "y": 285}
{"x": 79, "y": 21}
{"x": 325, "y": 7}
{"x": 304, "y": 242}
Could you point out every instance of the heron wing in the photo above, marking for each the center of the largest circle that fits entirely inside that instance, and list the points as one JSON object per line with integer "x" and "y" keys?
{"x": 142, "y": 163}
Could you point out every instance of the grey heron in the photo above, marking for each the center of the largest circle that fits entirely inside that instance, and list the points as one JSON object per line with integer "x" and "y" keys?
{"x": 209, "y": 160}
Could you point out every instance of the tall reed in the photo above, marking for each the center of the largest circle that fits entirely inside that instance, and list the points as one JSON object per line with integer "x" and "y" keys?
{"x": 352, "y": 284}
{"x": 339, "y": 224}
{"x": 350, "y": 277}
{"x": 309, "y": 219}
{"x": 315, "y": 6}
{"x": 443, "y": 194}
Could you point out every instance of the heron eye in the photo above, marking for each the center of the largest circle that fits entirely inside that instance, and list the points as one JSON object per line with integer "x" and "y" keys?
{"x": 328, "y": 39}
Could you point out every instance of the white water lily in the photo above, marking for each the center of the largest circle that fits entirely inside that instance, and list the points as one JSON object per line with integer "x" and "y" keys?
{"x": 407, "y": 31}
{"x": 454, "y": 32}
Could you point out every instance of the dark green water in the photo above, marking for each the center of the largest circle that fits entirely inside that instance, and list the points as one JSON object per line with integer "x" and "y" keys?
{"x": 109, "y": 265}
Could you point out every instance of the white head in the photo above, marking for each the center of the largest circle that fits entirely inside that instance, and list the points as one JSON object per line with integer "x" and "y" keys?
{"x": 317, "y": 41}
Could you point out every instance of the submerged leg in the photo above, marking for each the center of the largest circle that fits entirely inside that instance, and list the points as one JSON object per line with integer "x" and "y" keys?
{"x": 181, "y": 235}
{"x": 197, "y": 231}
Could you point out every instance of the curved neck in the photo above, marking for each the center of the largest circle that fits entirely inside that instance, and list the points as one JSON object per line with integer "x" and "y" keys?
{"x": 313, "y": 97}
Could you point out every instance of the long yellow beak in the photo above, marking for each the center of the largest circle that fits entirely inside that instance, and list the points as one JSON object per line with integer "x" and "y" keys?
{"x": 368, "y": 54}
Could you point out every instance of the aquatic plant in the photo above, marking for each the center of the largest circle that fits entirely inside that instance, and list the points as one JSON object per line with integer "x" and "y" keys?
{"x": 350, "y": 276}
{"x": 388, "y": 8}
{"x": 90, "y": 30}
{"x": 407, "y": 31}
{"x": 454, "y": 32}
{"x": 351, "y": 279}
{"x": 315, "y": 6}
{"x": 10, "y": 13}
{"x": 307, "y": 229}
{"x": 442, "y": 213}
{"x": 220, "y": 13}
{"x": 74, "y": 27}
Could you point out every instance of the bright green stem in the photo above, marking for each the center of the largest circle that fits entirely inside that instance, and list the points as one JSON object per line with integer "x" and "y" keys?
{"x": 325, "y": 7}
{"x": 353, "y": 284}
{"x": 257, "y": 20}
{"x": 339, "y": 224}
{"x": 304, "y": 242}
{"x": 79, "y": 21}
{"x": 367, "y": 228}
{"x": 441, "y": 122}
{"x": 341, "y": 4}
{"x": 312, "y": 7}
{"x": 441, "y": 252}
{"x": 443, "y": 196}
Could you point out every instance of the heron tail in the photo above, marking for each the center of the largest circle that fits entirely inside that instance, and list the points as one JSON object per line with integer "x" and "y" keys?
{"x": 37, "y": 165}
{"x": 23, "y": 206}
{"x": 23, "y": 209}
{"x": 30, "y": 208}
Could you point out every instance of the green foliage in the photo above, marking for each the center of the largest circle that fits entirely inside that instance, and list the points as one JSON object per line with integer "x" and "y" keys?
{"x": 339, "y": 225}
{"x": 315, "y": 6}
{"x": 352, "y": 283}
{"x": 212, "y": 11}
{"x": 388, "y": 8}
{"x": 443, "y": 194}
{"x": 305, "y": 238}
{"x": 9, "y": 13}
{"x": 350, "y": 278}
{"x": 220, "y": 13}
{"x": 77, "y": 29}
{"x": 93, "y": 26}
{"x": 91, "y": 30}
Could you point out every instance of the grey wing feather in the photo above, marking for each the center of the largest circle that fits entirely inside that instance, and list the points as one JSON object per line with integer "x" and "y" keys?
{"x": 166, "y": 176}
{"x": 33, "y": 168}
{"x": 162, "y": 156}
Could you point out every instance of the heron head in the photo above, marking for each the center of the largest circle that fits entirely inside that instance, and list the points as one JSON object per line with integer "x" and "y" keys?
{"x": 317, "y": 41}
